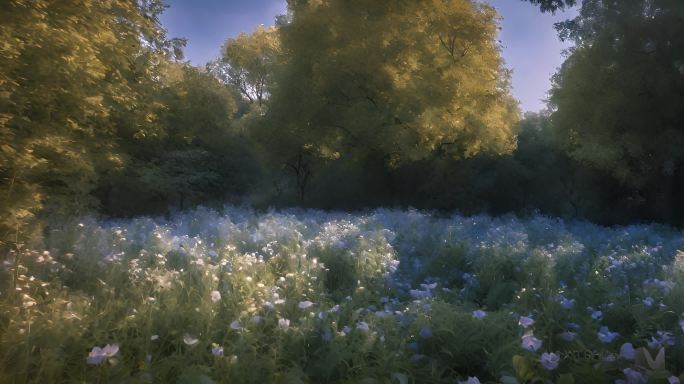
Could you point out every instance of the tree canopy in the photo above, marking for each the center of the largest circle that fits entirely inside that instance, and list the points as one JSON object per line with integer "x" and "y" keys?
{"x": 396, "y": 78}
{"x": 553, "y": 5}
{"x": 248, "y": 63}
{"x": 618, "y": 98}
{"x": 74, "y": 77}
{"x": 344, "y": 103}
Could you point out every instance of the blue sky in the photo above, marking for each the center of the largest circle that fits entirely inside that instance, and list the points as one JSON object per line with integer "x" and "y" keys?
{"x": 531, "y": 47}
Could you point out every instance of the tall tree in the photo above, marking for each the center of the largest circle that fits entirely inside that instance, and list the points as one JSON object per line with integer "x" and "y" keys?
{"x": 74, "y": 79}
{"x": 394, "y": 80}
{"x": 248, "y": 63}
{"x": 618, "y": 98}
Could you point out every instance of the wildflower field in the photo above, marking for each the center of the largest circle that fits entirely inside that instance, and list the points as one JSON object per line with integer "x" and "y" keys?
{"x": 311, "y": 297}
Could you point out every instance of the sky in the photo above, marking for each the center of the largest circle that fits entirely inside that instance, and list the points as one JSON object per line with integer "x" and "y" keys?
{"x": 530, "y": 45}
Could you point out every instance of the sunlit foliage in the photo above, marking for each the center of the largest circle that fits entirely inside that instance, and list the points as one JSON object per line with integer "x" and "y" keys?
{"x": 396, "y": 80}
{"x": 75, "y": 77}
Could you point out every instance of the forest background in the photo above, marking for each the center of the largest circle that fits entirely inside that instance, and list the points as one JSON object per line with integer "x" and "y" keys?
{"x": 343, "y": 105}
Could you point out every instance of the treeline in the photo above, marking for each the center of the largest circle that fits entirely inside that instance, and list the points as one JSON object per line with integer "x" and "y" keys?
{"x": 345, "y": 104}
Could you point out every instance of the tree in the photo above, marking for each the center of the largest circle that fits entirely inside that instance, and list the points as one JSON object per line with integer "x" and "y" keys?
{"x": 618, "y": 97}
{"x": 200, "y": 156}
{"x": 75, "y": 78}
{"x": 391, "y": 80}
{"x": 553, "y": 5}
{"x": 248, "y": 62}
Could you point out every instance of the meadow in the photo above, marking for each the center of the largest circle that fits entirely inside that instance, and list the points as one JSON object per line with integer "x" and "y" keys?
{"x": 303, "y": 296}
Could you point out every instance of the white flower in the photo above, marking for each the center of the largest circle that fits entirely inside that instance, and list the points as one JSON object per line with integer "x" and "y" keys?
{"x": 471, "y": 380}
{"x": 304, "y": 304}
{"x": 549, "y": 361}
{"x": 362, "y": 325}
{"x": 189, "y": 340}
{"x": 283, "y": 323}
{"x": 215, "y": 296}
{"x": 154, "y": 337}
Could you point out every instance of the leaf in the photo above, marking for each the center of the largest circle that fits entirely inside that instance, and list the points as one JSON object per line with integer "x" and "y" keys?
{"x": 402, "y": 378}
{"x": 566, "y": 378}
{"x": 655, "y": 364}
{"x": 509, "y": 380}
{"x": 194, "y": 378}
{"x": 523, "y": 368}
{"x": 660, "y": 360}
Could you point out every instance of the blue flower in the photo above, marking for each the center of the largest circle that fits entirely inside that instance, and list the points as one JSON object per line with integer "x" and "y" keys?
{"x": 362, "y": 325}
{"x": 531, "y": 343}
{"x": 526, "y": 321}
{"x": 425, "y": 333}
{"x": 568, "y": 336}
{"x": 417, "y": 358}
{"x": 217, "y": 350}
{"x": 471, "y": 380}
{"x": 549, "y": 361}
{"x": 627, "y": 351}
{"x": 648, "y": 301}
{"x": 479, "y": 314}
{"x": 98, "y": 355}
{"x": 566, "y": 303}
{"x": 327, "y": 335}
{"x": 305, "y": 304}
{"x": 606, "y": 336}
{"x": 573, "y": 326}
{"x": 634, "y": 377}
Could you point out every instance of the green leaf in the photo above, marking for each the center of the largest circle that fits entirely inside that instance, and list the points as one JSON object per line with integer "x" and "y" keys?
{"x": 566, "y": 378}
{"x": 644, "y": 358}
{"x": 194, "y": 378}
{"x": 509, "y": 380}
{"x": 402, "y": 378}
{"x": 523, "y": 368}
